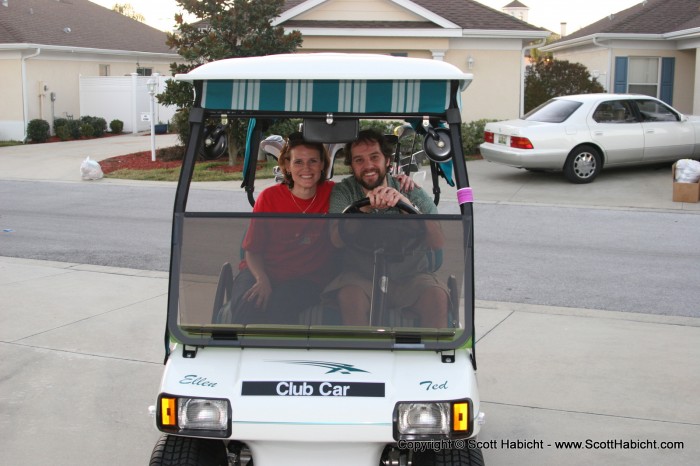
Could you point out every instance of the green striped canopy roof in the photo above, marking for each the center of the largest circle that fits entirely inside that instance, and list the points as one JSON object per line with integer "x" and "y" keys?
{"x": 328, "y": 83}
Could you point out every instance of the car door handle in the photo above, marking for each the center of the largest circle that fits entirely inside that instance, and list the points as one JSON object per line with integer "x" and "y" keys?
{"x": 650, "y": 131}
{"x": 598, "y": 133}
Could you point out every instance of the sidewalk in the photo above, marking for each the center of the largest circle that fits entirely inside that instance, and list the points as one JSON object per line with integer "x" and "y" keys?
{"x": 82, "y": 349}
{"x": 82, "y": 346}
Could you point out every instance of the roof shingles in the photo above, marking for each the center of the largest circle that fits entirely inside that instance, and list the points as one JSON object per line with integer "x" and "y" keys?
{"x": 76, "y": 23}
{"x": 467, "y": 14}
{"x": 649, "y": 17}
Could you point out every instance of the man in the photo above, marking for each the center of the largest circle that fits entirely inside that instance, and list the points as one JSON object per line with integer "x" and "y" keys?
{"x": 416, "y": 290}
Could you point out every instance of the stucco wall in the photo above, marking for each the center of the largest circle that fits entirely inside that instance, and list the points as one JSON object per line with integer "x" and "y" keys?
{"x": 357, "y": 10}
{"x": 495, "y": 90}
{"x": 11, "y": 115}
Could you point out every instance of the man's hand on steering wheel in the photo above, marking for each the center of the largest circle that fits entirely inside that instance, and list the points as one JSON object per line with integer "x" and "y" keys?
{"x": 384, "y": 197}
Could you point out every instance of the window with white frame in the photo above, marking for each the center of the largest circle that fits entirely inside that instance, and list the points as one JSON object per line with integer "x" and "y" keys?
{"x": 643, "y": 76}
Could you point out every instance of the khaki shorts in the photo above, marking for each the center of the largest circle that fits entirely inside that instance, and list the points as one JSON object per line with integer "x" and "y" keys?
{"x": 402, "y": 293}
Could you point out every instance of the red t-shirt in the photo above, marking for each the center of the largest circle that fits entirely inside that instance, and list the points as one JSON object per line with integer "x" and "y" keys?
{"x": 292, "y": 248}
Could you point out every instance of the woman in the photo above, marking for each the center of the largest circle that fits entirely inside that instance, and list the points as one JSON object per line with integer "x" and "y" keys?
{"x": 287, "y": 262}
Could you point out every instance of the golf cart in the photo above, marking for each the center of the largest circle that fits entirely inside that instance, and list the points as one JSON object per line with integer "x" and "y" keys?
{"x": 316, "y": 391}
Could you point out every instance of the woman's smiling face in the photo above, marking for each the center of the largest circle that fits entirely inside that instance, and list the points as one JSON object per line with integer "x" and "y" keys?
{"x": 306, "y": 166}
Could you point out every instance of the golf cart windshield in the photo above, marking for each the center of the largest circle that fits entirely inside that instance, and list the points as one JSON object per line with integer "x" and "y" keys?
{"x": 394, "y": 261}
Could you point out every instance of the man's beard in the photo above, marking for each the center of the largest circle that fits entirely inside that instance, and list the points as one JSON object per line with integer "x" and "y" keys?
{"x": 381, "y": 176}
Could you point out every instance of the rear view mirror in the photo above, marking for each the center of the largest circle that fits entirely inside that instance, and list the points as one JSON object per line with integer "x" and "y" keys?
{"x": 330, "y": 130}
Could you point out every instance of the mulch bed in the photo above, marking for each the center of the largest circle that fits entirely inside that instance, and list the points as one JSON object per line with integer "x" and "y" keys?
{"x": 142, "y": 161}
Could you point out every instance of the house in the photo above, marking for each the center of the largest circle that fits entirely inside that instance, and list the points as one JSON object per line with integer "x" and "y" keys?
{"x": 46, "y": 45}
{"x": 650, "y": 48}
{"x": 489, "y": 44}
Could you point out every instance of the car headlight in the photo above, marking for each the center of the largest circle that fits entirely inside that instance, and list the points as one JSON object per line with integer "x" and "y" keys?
{"x": 194, "y": 416}
{"x": 421, "y": 420}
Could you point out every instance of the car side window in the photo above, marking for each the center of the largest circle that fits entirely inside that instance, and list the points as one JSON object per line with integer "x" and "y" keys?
{"x": 651, "y": 110}
{"x": 614, "y": 111}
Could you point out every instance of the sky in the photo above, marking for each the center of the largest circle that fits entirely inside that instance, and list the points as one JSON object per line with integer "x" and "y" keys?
{"x": 543, "y": 13}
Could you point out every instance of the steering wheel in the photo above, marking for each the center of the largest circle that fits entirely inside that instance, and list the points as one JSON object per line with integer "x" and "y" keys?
{"x": 395, "y": 237}
{"x": 355, "y": 207}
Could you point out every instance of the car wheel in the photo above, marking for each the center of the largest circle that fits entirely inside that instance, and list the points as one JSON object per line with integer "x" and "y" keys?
{"x": 172, "y": 450}
{"x": 583, "y": 164}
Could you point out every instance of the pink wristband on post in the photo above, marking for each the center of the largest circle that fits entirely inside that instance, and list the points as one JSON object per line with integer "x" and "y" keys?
{"x": 465, "y": 195}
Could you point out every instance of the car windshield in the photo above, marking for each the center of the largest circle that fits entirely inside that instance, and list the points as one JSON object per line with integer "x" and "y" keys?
{"x": 393, "y": 256}
{"x": 553, "y": 111}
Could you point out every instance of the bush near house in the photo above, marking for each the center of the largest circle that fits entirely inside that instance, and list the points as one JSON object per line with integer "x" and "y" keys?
{"x": 116, "y": 126}
{"x": 546, "y": 79}
{"x": 38, "y": 130}
{"x": 473, "y": 136}
{"x": 87, "y": 126}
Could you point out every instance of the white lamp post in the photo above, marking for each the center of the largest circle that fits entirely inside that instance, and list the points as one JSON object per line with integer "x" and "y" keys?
{"x": 152, "y": 86}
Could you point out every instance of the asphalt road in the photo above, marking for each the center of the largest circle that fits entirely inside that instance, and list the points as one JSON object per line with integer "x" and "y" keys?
{"x": 621, "y": 260}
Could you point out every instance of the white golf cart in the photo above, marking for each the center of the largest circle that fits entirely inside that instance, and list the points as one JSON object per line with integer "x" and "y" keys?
{"x": 316, "y": 391}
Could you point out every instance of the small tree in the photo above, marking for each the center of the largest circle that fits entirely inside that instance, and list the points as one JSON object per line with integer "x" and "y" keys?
{"x": 225, "y": 29}
{"x": 546, "y": 79}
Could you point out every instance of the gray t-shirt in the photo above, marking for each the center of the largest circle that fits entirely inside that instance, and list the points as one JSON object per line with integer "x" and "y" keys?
{"x": 349, "y": 190}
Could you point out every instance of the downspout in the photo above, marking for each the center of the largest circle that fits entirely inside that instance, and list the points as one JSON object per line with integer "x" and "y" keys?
{"x": 609, "y": 73}
{"x": 25, "y": 102}
{"x": 522, "y": 72}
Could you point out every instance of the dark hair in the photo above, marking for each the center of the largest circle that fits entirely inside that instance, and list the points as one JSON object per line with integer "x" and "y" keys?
{"x": 295, "y": 140}
{"x": 368, "y": 136}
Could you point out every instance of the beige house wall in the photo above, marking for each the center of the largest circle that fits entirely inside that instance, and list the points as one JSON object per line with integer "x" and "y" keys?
{"x": 495, "y": 90}
{"x": 357, "y": 10}
{"x": 61, "y": 76}
{"x": 56, "y": 72}
{"x": 11, "y": 89}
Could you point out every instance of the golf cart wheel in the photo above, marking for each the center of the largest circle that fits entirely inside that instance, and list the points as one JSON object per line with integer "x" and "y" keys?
{"x": 583, "y": 164}
{"x": 185, "y": 451}
{"x": 454, "y": 457}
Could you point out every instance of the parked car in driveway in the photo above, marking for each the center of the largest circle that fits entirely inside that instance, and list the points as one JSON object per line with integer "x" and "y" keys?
{"x": 581, "y": 134}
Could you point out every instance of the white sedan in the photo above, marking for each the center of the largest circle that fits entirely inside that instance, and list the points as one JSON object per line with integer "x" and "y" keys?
{"x": 580, "y": 134}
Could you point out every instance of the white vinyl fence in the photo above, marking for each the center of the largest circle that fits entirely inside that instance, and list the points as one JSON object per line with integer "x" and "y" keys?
{"x": 124, "y": 98}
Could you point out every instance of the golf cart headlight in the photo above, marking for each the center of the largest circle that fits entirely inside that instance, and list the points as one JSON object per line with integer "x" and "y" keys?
{"x": 423, "y": 418}
{"x": 202, "y": 414}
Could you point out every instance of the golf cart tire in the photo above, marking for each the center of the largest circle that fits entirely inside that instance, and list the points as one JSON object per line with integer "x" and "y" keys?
{"x": 453, "y": 457}
{"x": 185, "y": 451}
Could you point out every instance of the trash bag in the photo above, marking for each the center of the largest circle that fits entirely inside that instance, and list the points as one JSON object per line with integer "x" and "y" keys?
{"x": 687, "y": 171}
{"x": 90, "y": 170}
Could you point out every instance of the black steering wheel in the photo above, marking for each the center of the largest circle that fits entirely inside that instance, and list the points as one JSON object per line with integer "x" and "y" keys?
{"x": 395, "y": 237}
{"x": 355, "y": 207}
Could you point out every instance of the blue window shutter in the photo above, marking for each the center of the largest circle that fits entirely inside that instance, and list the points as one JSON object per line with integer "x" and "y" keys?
{"x": 620, "y": 75}
{"x": 668, "y": 65}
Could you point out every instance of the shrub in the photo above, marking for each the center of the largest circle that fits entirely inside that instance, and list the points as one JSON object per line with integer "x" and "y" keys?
{"x": 284, "y": 127}
{"x": 181, "y": 123}
{"x": 382, "y": 126}
{"x": 87, "y": 130}
{"x": 58, "y": 123}
{"x": 116, "y": 126}
{"x": 74, "y": 128}
{"x": 63, "y": 132}
{"x": 100, "y": 126}
{"x": 551, "y": 78}
{"x": 473, "y": 136}
{"x": 38, "y": 130}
